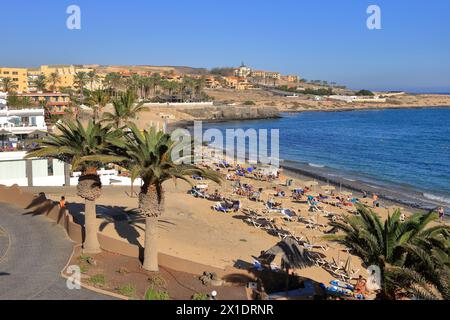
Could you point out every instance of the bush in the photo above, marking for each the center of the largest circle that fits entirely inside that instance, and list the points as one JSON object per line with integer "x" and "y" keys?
{"x": 97, "y": 280}
{"x": 364, "y": 93}
{"x": 249, "y": 103}
{"x": 200, "y": 296}
{"x": 128, "y": 290}
{"x": 151, "y": 294}
{"x": 156, "y": 281}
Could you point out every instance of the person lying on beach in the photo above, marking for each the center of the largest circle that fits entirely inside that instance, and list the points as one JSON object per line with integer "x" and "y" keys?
{"x": 216, "y": 196}
{"x": 360, "y": 286}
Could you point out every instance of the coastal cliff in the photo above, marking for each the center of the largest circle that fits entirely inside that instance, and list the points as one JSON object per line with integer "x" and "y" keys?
{"x": 226, "y": 113}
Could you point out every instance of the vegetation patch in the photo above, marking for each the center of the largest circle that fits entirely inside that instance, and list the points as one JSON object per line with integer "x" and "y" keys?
{"x": 98, "y": 280}
{"x": 127, "y": 290}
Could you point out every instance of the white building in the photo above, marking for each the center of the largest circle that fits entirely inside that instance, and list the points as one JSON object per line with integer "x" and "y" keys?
{"x": 20, "y": 122}
{"x": 243, "y": 71}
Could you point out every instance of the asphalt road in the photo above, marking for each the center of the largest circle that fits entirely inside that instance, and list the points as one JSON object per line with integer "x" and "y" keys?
{"x": 33, "y": 251}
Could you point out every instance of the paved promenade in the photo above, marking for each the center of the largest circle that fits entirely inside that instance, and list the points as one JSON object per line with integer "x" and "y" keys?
{"x": 33, "y": 251}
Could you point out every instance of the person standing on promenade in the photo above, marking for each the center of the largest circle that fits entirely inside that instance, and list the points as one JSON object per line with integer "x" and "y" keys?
{"x": 62, "y": 202}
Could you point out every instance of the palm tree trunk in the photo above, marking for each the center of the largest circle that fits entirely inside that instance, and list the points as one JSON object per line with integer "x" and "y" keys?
{"x": 91, "y": 244}
{"x": 150, "y": 245}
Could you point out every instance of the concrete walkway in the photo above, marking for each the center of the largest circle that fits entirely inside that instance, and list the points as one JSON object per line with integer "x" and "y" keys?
{"x": 33, "y": 251}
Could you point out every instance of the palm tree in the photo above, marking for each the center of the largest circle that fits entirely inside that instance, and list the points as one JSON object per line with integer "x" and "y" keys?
{"x": 40, "y": 82}
{"x": 80, "y": 80}
{"x": 8, "y": 85}
{"x": 113, "y": 81}
{"x": 125, "y": 109}
{"x": 93, "y": 77}
{"x": 54, "y": 79}
{"x": 86, "y": 149}
{"x": 149, "y": 157}
{"x": 47, "y": 115}
{"x": 412, "y": 257}
{"x": 98, "y": 101}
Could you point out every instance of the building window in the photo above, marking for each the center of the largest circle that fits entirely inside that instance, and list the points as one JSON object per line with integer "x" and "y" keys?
{"x": 15, "y": 79}
{"x": 50, "y": 167}
{"x": 15, "y": 73}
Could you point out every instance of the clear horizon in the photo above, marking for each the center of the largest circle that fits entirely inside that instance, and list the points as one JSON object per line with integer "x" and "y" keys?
{"x": 322, "y": 40}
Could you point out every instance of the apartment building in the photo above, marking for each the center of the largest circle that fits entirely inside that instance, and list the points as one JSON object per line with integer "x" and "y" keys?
{"x": 56, "y": 102}
{"x": 266, "y": 74}
{"x": 18, "y": 77}
{"x": 66, "y": 76}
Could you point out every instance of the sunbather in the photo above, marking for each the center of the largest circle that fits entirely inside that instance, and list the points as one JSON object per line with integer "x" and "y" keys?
{"x": 360, "y": 286}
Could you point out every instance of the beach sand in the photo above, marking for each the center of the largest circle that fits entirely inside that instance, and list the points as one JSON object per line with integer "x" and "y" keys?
{"x": 191, "y": 230}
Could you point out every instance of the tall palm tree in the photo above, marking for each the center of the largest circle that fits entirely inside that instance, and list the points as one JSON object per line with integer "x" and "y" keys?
{"x": 413, "y": 258}
{"x": 93, "y": 77}
{"x": 113, "y": 81}
{"x": 54, "y": 79}
{"x": 8, "y": 85}
{"x": 198, "y": 87}
{"x": 156, "y": 82}
{"x": 125, "y": 109}
{"x": 40, "y": 82}
{"x": 149, "y": 157}
{"x": 86, "y": 149}
{"x": 80, "y": 81}
{"x": 98, "y": 100}
{"x": 47, "y": 115}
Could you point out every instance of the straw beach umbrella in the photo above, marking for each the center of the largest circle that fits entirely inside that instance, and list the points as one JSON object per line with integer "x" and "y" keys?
{"x": 288, "y": 254}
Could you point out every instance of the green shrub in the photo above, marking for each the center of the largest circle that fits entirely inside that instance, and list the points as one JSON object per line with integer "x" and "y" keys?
{"x": 84, "y": 268}
{"x": 249, "y": 103}
{"x": 151, "y": 294}
{"x": 200, "y": 296}
{"x": 84, "y": 258}
{"x": 97, "y": 280}
{"x": 156, "y": 281}
{"x": 128, "y": 290}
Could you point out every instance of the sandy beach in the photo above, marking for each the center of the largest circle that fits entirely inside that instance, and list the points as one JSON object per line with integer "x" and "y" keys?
{"x": 191, "y": 230}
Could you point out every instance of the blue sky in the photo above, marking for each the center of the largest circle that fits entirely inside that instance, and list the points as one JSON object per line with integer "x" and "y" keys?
{"x": 321, "y": 39}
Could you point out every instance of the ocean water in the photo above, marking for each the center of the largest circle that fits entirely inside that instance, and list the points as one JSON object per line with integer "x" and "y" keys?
{"x": 401, "y": 149}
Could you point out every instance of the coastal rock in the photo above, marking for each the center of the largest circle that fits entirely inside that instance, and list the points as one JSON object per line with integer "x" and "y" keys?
{"x": 223, "y": 113}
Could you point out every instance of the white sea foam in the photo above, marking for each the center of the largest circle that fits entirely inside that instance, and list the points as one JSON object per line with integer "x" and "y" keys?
{"x": 316, "y": 165}
{"x": 433, "y": 197}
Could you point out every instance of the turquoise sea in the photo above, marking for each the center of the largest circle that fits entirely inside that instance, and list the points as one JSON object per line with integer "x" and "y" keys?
{"x": 401, "y": 150}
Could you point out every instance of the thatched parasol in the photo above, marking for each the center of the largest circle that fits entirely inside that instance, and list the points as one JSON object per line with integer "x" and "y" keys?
{"x": 288, "y": 254}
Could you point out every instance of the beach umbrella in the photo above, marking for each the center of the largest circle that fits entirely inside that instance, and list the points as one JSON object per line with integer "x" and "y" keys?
{"x": 288, "y": 254}
{"x": 328, "y": 187}
{"x": 346, "y": 193}
{"x": 37, "y": 134}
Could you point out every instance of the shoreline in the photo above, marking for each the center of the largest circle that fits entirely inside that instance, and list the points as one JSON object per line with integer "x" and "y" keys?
{"x": 392, "y": 194}
{"x": 375, "y": 108}
{"x": 189, "y": 123}
{"x": 413, "y": 201}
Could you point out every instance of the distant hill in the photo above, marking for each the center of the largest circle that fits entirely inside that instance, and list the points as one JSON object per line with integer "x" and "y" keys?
{"x": 175, "y": 69}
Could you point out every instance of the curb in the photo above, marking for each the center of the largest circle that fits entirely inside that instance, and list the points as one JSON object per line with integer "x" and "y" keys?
{"x": 88, "y": 287}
